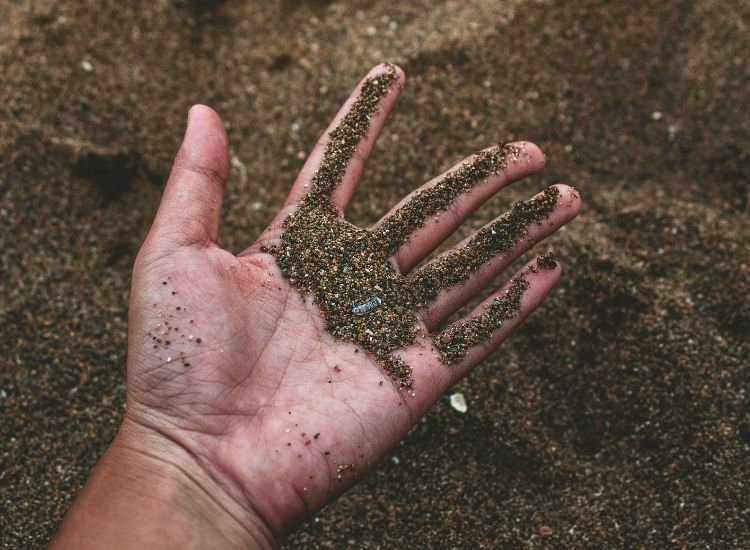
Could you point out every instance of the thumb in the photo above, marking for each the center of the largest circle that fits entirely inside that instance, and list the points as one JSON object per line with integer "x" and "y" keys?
{"x": 190, "y": 207}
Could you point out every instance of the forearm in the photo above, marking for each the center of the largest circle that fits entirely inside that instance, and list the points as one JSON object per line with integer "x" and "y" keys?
{"x": 136, "y": 499}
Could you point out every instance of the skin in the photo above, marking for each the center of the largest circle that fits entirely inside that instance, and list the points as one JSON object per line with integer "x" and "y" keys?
{"x": 273, "y": 417}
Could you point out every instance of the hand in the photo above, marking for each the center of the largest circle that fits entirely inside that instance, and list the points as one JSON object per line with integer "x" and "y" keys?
{"x": 238, "y": 392}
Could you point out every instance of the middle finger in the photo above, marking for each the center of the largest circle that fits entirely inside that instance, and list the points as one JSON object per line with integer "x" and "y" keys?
{"x": 409, "y": 233}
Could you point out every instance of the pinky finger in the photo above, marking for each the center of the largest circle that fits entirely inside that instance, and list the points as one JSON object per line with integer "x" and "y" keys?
{"x": 468, "y": 341}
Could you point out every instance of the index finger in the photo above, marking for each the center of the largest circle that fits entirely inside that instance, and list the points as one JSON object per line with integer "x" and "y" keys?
{"x": 378, "y": 90}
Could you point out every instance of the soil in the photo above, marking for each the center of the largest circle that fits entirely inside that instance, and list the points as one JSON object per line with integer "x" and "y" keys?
{"x": 618, "y": 416}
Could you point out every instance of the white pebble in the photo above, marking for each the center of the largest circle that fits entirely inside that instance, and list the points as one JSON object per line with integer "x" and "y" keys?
{"x": 656, "y": 116}
{"x": 86, "y": 66}
{"x": 458, "y": 402}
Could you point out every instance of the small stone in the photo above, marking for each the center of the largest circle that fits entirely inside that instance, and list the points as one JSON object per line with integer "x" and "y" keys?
{"x": 656, "y": 116}
{"x": 458, "y": 402}
{"x": 87, "y": 66}
{"x": 545, "y": 530}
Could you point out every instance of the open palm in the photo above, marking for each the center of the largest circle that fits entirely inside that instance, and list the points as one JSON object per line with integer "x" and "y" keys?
{"x": 232, "y": 364}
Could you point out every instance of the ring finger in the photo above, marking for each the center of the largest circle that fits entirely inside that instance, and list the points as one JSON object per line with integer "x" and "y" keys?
{"x": 453, "y": 296}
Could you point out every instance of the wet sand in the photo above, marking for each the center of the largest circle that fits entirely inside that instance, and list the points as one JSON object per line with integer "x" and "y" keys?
{"x": 618, "y": 416}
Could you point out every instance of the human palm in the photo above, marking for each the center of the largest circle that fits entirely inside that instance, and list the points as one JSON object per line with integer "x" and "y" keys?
{"x": 232, "y": 364}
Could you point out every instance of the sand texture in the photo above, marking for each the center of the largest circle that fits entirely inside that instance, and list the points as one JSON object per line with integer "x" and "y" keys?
{"x": 617, "y": 417}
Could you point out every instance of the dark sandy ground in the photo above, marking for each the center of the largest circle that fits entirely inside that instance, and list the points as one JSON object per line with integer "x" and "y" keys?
{"x": 617, "y": 417}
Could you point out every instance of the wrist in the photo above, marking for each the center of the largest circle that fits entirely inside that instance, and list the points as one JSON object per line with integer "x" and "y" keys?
{"x": 149, "y": 492}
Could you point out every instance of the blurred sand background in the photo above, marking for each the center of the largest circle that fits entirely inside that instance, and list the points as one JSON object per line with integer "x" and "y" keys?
{"x": 617, "y": 417}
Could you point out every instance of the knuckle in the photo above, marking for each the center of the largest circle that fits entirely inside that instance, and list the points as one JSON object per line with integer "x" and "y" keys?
{"x": 207, "y": 173}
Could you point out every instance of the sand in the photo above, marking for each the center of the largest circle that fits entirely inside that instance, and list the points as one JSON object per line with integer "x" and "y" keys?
{"x": 348, "y": 272}
{"x": 618, "y": 416}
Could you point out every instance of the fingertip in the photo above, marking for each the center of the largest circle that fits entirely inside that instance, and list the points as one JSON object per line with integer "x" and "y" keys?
{"x": 205, "y": 117}
{"x": 203, "y": 114}
{"x": 537, "y": 290}
{"x": 570, "y": 198}
{"x": 386, "y": 67}
{"x": 530, "y": 154}
{"x": 202, "y": 108}
{"x": 400, "y": 74}
{"x": 206, "y": 143}
{"x": 542, "y": 274}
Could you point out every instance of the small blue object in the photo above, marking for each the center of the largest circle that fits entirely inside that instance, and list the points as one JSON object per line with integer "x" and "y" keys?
{"x": 367, "y": 307}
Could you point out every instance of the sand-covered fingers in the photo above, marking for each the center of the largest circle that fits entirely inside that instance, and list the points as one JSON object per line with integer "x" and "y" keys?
{"x": 456, "y": 276}
{"x": 339, "y": 158}
{"x": 350, "y": 272}
{"x": 427, "y": 216}
{"x": 468, "y": 341}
